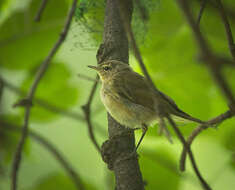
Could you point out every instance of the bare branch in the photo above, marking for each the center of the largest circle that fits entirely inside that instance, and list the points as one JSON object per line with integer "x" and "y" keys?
{"x": 217, "y": 120}
{"x": 227, "y": 28}
{"x": 211, "y": 61}
{"x": 202, "y": 7}
{"x": 29, "y": 98}
{"x": 40, "y": 11}
{"x": 52, "y": 149}
{"x": 188, "y": 149}
{"x": 85, "y": 77}
{"x": 51, "y": 107}
{"x": 118, "y": 147}
{"x": 87, "y": 113}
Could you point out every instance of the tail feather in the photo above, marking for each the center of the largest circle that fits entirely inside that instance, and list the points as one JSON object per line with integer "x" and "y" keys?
{"x": 184, "y": 115}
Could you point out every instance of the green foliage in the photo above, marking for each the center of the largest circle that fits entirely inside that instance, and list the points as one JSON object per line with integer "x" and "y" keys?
{"x": 55, "y": 89}
{"x": 3, "y": 4}
{"x": 56, "y": 180}
{"x": 23, "y": 42}
{"x": 9, "y": 139}
{"x": 171, "y": 56}
{"x": 161, "y": 161}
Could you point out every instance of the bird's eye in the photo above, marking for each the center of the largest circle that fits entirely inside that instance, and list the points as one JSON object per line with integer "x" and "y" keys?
{"x": 106, "y": 68}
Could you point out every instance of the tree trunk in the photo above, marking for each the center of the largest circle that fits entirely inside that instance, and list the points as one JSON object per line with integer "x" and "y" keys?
{"x": 117, "y": 150}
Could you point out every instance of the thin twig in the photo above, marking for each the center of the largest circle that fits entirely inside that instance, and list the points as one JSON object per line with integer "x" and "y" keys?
{"x": 87, "y": 113}
{"x": 228, "y": 9}
{"x": 227, "y": 28}
{"x": 85, "y": 77}
{"x": 52, "y": 149}
{"x": 29, "y": 98}
{"x": 211, "y": 61}
{"x": 202, "y": 8}
{"x": 51, "y": 107}
{"x": 217, "y": 120}
{"x": 188, "y": 149}
{"x": 40, "y": 11}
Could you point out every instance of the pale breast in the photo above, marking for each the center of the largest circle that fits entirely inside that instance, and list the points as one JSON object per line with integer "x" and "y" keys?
{"x": 125, "y": 112}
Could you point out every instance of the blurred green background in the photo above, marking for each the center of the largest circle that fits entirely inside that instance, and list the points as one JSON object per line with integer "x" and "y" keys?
{"x": 170, "y": 54}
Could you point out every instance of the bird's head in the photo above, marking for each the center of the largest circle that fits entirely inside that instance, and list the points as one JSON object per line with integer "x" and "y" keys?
{"x": 108, "y": 69}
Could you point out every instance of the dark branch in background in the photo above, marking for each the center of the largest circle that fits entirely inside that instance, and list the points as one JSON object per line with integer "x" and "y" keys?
{"x": 211, "y": 61}
{"x": 40, "y": 10}
{"x": 214, "y": 66}
{"x": 202, "y": 8}
{"x": 190, "y": 153}
{"x": 227, "y": 28}
{"x": 86, "y": 109}
{"x": 51, "y": 107}
{"x": 215, "y": 121}
{"x": 27, "y": 103}
{"x": 85, "y": 77}
{"x": 51, "y": 148}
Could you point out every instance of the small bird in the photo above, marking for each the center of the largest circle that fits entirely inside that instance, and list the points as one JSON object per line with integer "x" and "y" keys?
{"x": 131, "y": 101}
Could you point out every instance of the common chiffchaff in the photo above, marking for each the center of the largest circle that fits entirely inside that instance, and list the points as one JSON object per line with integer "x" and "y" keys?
{"x": 131, "y": 101}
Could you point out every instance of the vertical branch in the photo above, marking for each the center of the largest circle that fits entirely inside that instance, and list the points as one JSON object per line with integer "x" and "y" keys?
{"x": 121, "y": 141}
{"x": 27, "y": 103}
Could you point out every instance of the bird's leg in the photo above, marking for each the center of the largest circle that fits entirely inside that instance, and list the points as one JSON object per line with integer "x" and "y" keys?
{"x": 133, "y": 154}
{"x": 144, "y": 130}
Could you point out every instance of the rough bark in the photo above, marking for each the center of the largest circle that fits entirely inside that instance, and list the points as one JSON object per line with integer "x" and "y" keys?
{"x": 116, "y": 151}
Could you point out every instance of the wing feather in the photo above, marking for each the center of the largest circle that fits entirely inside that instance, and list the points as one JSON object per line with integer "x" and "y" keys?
{"x": 135, "y": 88}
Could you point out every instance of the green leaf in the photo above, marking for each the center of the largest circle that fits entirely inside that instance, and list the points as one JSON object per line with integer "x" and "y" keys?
{"x": 55, "y": 89}
{"x": 23, "y": 42}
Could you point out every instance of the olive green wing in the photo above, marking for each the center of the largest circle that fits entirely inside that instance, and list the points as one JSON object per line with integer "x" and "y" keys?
{"x": 135, "y": 88}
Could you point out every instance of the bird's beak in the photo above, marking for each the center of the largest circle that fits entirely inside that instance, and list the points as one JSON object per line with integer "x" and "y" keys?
{"x": 93, "y": 67}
